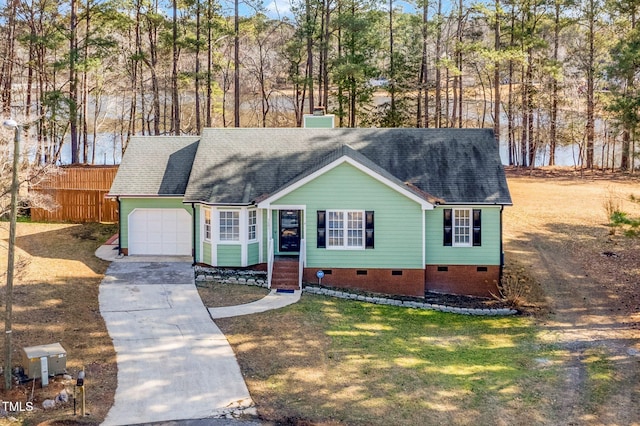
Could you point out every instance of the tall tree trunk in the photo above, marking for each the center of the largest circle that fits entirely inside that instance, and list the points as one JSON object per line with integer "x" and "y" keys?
{"x": 209, "y": 63}
{"x": 309, "y": 72}
{"x": 627, "y": 131}
{"x": 529, "y": 109}
{"x": 175, "y": 99}
{"x": 73, "y": 82}
{"x": 197, "y": 70}
{"x": 392, "y": 71}
{"x": 6, "y": 73}
{"x": 85, "y": 85}
{"x": 424, "y": 66}
{"x": 553, "y": 125}
{"x": 438, "y": 99}
{"x": 590, "y": 128}
{"x": 325, "y": 55}
{"x": 510, "y": 112}
{"x": 496, "y": 74}
{"x": 152, "y": 65}
{"x": 236, "y": 66}
{"x": 340, "y": 90}
{"x": 458, "y": 82}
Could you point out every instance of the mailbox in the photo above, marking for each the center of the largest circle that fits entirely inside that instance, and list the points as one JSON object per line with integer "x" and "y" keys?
{"x": 34, "y": 356}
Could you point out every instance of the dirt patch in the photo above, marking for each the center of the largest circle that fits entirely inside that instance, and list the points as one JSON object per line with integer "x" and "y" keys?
{"x": 215, "y": 295}
{"x": 56, "y": 300}
{"x": 558, "y": 230}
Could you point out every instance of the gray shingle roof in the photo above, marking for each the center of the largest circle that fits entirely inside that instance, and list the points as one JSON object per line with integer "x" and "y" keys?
{"x": 239, "y": 166}
{"x": 158, "y": 165}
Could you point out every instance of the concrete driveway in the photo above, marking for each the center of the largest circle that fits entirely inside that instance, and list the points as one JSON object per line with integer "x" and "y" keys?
{"x": 173, "y": 361}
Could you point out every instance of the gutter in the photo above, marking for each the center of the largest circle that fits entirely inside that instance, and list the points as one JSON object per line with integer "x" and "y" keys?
{"x": 119, "y": 226}
{"x": 193, "y": 235}
{"x": 501, "y": 248}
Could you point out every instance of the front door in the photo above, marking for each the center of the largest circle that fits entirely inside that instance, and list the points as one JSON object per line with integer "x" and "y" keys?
{"x": 289, "y": 230}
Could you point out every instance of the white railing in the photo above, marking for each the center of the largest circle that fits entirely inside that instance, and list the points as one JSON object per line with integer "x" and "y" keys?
{"x": 303, "y": 254}
{"x": 270, "y": 258}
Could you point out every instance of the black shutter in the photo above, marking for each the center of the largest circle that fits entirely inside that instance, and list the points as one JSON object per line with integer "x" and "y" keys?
{"x": 368, "y": 230}
{"x": 322, "y": 229}
{"x": 477, "y": 227}
{"x": 447, "y": 227}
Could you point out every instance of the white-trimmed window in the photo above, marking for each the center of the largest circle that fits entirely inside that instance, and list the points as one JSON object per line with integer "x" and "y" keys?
{"x": 207, "y": 224}
{"x": 462, "y": 227}
{"x": 252, "y": 219}
{"x": 229, "y": 225}
{"x": 345, "y": 229}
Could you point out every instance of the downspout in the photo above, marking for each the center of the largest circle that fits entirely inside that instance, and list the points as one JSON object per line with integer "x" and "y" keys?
{"x": 501, "y": 248}
{"x": 193, "y": 230}
{"x": 119, "y": 226}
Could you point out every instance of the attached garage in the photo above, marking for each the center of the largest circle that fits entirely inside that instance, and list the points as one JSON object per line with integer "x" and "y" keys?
{"x": 160, "y": 232}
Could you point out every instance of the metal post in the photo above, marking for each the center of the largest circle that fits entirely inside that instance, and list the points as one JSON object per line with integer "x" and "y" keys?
{"x": 11, "y": 253}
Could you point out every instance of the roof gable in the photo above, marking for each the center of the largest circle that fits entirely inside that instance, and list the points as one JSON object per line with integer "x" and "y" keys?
{"x": 153, "y": 166}
{"x": 346, "y": 154}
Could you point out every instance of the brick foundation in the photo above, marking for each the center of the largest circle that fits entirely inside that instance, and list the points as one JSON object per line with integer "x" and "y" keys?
{"x": 478, "y": 280}
{"x": 405, "y": 282}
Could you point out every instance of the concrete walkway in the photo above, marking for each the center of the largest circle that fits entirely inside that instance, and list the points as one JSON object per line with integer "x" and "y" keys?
{"x": 174, "y": 363}
{"x": 273, "y": 300}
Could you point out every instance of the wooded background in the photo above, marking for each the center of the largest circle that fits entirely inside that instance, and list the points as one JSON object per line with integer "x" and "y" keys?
{"x": 542, "y": 73}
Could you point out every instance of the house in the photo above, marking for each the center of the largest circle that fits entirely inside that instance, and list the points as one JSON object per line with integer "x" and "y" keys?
{"x": 396, "y": 211}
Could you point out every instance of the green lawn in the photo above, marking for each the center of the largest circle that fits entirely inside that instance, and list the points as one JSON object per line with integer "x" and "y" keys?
{"x": 329, "y": 361}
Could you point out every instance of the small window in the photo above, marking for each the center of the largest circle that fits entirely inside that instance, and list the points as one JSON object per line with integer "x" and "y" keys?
{"x": 481, "y": 269}
{"x": 461, "y": 227}
{"x": 229, "y": 226}
{"x": 253, "y": 220}
{"x": 361, "y": 272}
{"x": 327, "y": 271}
{"x": 443, "y": 269}
{"x": 207, "y": 224}
{"x": 396, "y": 273}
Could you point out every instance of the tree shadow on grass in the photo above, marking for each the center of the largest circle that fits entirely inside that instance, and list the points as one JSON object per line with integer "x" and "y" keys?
{"x": 68, "y": 243}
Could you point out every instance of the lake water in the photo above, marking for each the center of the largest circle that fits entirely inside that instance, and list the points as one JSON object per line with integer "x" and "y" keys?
{"x": 109, "y": 149}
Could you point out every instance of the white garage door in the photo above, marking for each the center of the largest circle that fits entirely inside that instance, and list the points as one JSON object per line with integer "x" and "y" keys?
{"x": 160, "y": 232}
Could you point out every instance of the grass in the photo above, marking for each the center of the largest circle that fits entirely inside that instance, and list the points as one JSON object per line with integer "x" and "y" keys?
{"x": 600, "y": 378}
{"x": 56, "y": 300}
{"x": 327, "y": 361}
{"x": 216, "y": 295}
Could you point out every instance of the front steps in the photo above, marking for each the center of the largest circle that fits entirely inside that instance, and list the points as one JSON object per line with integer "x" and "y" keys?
{"x": 285, "y": 274}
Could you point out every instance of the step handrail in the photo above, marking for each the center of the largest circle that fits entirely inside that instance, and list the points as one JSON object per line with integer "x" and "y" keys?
{"x": 270, "y": 259}
{"x": 301, "y": 262}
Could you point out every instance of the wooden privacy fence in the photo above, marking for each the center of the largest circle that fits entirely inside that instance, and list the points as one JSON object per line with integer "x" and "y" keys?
{"x": 79, "y": 193}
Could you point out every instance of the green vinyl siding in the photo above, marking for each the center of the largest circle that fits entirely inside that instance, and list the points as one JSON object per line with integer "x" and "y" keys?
{"x": 398, "y": 220}
{"x": 206, "y": 253}
{"x": 127, "y": 205}
{"x": 487, "y": 254}
{"x": 253, "y": 254}
{"x": 229, "y": 255}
